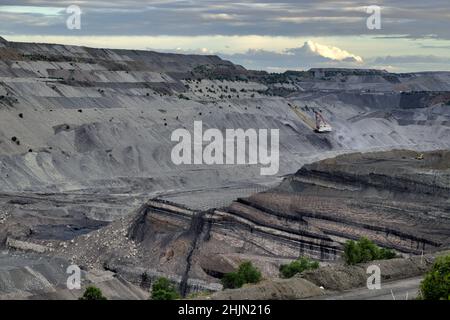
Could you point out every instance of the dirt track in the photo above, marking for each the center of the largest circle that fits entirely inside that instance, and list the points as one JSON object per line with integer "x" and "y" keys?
{"x": 407, "y": 289}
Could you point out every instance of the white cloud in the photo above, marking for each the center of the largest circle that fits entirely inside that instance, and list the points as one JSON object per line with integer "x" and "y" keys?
{"x": 218, "y": 16}
{"x": 301, "y": 20}
{"x": 311, "y": 54}
{"x": 46, "y": 11}
{"x": 329, "y": 52}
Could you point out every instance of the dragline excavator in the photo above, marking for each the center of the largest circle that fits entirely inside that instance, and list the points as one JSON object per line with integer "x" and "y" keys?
{"x": 321, "y": 124}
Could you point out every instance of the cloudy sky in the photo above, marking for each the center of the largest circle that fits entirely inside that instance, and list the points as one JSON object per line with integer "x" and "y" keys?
{"x": 259, "y": 34}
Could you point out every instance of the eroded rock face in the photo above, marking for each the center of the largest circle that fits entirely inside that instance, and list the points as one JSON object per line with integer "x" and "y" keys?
{"x": 399, "y": 199}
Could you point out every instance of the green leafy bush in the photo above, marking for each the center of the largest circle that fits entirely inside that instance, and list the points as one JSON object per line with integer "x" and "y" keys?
{"x": 436, "y": 285}
{"x": 246, "y": 273}
{"x": 249, "y": 272}
{"x": 352, "y": 252}
{"x": 232, "y": 280}
{"x": 92, "y": 293}
{"x": 365, "y": 250}
{"x": 297, "y": 266}
{"x": 163, "y": 289}
{"x": 387, "y": 254}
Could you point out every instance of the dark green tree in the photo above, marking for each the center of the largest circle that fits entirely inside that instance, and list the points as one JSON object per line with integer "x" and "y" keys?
{"x": 352, "y": 253}
{"x": 92, "y": 293}
{"x": 297, "y": 266}
{"x": 246, "y": 273}
{"x": 249, "y": 272}
{"x": 163, "y": 289}
{"x": 368, "y": 250}
{"x": 387, "y": 254}
{"x": 365, "y": 250}
{"x": 436, "y": 285}
{"x": 232, "y": 280}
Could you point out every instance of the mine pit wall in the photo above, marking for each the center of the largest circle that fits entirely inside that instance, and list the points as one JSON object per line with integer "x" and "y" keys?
{"x": 235, "y": 227}
{"x": 194, "y": 226}
{"x": 380, "y": 181}
{"x": 329, "y": 224}
{"x": 218, "y": 224}
{"x": 382, "y": 236}
{"x": 236, "y": 231}
{"x": 137, "y": 230}
{"x": 406, "y": 194}
{"x": 290, "y": 229}
{"x": 227, "y": 233}
{"x": 390, "y": 100}
{"x": 342, "y": 229}
{"x": 268, "y": 240}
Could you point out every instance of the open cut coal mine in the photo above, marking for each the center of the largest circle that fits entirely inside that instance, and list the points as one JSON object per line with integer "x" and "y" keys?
{"x": 86, "y": 175}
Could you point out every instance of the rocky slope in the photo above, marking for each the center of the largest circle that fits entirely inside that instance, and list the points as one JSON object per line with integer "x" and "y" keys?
{"x": 395, "y": 198}
{"x": 399, "y": 199}
{"x": 42, "y": 277}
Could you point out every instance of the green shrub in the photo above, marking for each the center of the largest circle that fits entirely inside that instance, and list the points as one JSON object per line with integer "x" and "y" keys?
{"x": 249, "y": 272}
{"x": 297, "y": 266}
{"x": 163, "y": 289}
{"x": 246, "y": 273}
{"x": 92, "y": 293}
{"x": 368, "y": 250}
{"x": 232, "y": 280}
{"x": 387, "y": 254}
{"x": 365, "y": 250}
{"x": 436, "y": 285}
{"x": 352, "y": 253}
